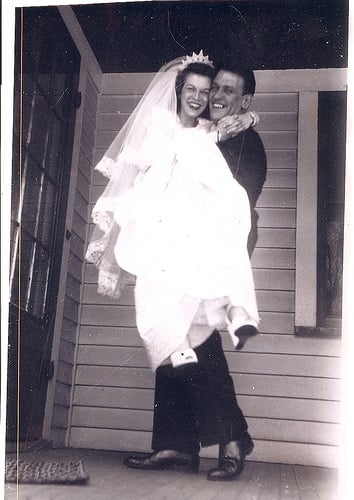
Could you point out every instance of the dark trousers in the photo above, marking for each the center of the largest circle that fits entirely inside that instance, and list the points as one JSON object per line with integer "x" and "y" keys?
{"x": 196, "y": 404}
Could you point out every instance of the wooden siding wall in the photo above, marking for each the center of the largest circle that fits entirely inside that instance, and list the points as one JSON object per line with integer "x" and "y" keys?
{"x": 80, "y": 220}
{"x": 287, "y": 386}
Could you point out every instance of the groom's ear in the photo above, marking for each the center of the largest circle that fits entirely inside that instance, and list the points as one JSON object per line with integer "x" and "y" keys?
{"x": 246, "y": 101}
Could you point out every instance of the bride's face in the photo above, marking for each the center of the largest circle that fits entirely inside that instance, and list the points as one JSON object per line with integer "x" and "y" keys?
{"x": 194, "y": 98}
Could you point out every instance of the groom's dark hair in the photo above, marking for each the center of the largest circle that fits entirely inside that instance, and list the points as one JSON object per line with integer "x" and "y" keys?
{"x": 245, "y": 72}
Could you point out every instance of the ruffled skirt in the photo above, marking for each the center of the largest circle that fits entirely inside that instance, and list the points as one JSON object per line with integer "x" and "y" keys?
{"x": 184, "y": 229}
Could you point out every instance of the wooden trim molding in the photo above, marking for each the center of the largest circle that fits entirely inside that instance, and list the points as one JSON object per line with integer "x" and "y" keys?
{"x": 302, "y": 80}
{"x": 87, "y": 56}
{"x": 318, "y": 331}
{"x": 268, "y": 81}
{"x": 306, "y": 216}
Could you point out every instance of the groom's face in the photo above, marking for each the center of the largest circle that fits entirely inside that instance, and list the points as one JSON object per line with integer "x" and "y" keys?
{"x": 226, "y": 95}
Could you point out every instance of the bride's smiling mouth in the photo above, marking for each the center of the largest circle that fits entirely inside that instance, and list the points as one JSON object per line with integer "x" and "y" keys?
{"x": 194, "y": 105}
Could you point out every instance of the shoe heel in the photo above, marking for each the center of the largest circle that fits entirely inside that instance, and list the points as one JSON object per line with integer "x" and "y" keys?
{"x": 195, "y": 464}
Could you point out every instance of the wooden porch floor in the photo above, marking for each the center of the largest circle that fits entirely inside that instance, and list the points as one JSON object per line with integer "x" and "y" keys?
{"x": 110, "y": 479}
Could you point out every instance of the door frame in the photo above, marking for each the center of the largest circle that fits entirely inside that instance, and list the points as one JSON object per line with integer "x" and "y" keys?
{"x": 48, "y": 411}
{"x": 307, "y": 191}
{"x": 88, "y": 67}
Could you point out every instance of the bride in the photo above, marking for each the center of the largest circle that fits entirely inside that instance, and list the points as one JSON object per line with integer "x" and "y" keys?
{"x": 173, "y": 216}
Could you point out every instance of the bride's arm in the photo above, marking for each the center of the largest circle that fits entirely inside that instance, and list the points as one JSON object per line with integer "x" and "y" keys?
{"x": 229, "y": 126}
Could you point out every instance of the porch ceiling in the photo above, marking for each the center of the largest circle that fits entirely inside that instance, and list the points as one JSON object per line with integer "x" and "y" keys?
{"x": 270, "y": 34}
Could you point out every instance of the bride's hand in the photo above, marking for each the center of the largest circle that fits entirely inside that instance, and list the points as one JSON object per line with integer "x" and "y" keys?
{"x": 231, "y": 125}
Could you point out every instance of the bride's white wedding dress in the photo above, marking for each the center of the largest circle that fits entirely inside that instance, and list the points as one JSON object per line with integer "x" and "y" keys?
{"x": 183, "y": 233}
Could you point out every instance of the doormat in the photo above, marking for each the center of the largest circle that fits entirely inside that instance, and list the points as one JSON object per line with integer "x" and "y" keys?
{"x": 45, "y": 472}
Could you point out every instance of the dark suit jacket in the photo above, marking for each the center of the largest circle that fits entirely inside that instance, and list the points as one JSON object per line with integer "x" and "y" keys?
{"x": 247, "y": 160}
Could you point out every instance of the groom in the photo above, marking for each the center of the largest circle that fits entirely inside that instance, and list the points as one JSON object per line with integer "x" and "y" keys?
{"x": 175, "y": 432}
{"x": 231, "y": 93}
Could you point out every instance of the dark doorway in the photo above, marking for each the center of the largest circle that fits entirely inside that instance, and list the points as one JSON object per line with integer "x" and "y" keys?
{"x": 331, "y": 200}
{"x": 45, "y": 96}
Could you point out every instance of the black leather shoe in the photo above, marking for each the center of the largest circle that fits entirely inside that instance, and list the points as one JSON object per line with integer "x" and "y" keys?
{"x": 244, "y": 333}
{"x": 228, "y": 470}
{"x": 164, "y": 459}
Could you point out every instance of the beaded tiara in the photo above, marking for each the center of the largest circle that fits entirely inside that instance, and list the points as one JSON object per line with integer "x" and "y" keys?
{"x": 197, "y": 58}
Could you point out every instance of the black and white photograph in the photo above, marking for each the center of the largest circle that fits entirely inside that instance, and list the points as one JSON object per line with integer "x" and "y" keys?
{"x": 155, "y": 345}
